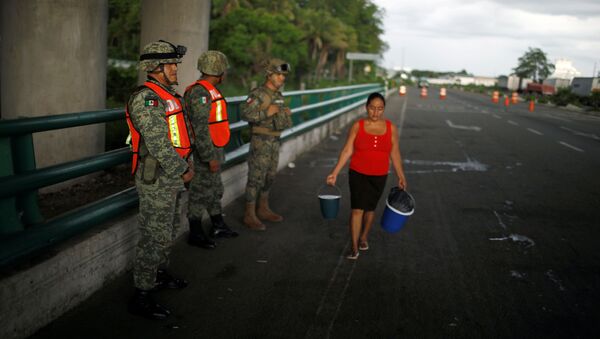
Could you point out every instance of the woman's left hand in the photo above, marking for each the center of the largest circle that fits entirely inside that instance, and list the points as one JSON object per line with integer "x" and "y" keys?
{"x": 402, "y": 182}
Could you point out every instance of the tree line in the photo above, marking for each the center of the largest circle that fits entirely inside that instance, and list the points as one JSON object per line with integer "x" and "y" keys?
{"x": 312, "y": 35}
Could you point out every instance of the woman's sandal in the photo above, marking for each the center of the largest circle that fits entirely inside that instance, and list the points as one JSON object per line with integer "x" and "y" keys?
{"x": 352, "y": 256}
{"x": 363, "y": 246}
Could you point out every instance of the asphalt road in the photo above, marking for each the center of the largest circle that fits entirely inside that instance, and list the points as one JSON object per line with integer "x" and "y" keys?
{"x": 504, "y": 242}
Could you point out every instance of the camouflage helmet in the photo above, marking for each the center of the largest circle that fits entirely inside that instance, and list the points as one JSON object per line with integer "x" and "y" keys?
{"x": 275, "y": 65}
{"x": 160, "y": 52}
{"x": 212, "y": 63}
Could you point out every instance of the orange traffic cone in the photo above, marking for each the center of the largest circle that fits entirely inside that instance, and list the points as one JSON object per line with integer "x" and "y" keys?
{"x": 402, "y": 90}
{"x": 515, "y": 98}
{"x": 531, "y": 105}
{"x": 506, "y": 102}
{"x": 442, "y": 93}
{"x": 495, "y": 97}
{"x": 423, "y": 92}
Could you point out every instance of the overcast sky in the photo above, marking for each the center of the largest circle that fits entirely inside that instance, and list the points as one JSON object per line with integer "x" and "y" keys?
{"x": 487, "y": 37}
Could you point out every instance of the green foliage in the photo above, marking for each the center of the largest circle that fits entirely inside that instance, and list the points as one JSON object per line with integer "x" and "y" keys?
{"x": 534, "y": 64}
{"x": 120, "y": 83}
{"x": 319, "y": 33}
{"x": 433, "y": 74}
{"x": 563, "y": 97}
{"x": 592, "y": 101}
{"x": 124, "y": 29}
{"x": 248, "y": 37}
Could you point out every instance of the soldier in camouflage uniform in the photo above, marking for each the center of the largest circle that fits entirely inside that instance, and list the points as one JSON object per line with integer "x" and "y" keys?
{"x": 161, "y": 170}
{"x": 268, "y": 116}
{"x": 206, "y": 189}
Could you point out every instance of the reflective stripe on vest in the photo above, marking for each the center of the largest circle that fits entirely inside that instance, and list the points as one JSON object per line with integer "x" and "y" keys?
{"x": 178, "y": 132}
{"x": 218, "y": 124}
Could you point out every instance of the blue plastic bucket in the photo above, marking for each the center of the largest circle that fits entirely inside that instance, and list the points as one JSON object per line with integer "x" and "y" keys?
{"x": 330, "y": 204}
{"x": 393, "y": 220}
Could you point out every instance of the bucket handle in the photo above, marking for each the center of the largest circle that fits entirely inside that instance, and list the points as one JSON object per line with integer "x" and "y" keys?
{"x": 325, "y": 185}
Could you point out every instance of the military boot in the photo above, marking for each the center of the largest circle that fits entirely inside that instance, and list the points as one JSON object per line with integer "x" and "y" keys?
{"x": 164, "y": 280}
{"x": 143, "y": 305}
{"x": 264, "y": 212}
{"x": 250, "y": 219}
{"x": 220, "y": 229}
{"x": 197, "y": 237}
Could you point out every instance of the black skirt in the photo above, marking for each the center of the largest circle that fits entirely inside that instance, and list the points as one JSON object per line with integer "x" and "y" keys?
{"x": 365, "y": 190}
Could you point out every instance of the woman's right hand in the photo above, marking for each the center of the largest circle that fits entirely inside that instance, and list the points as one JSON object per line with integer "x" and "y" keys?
{"x": 331, "y": 178}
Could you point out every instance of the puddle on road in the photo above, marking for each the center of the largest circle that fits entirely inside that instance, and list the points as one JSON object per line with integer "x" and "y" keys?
{"x": 516, "y": 238}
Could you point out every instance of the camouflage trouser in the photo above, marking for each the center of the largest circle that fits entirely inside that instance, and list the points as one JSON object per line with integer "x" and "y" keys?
{"x": 262, "y": 165}
{"x": 159, "y": 223}
{"x": 206, "y": 191}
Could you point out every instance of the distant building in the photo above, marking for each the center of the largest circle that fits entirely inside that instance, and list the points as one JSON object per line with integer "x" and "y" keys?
{"x": 486, "y": 81}
{"x": 585, "y": 86}
{"x": 511, "y": 82}
{"x": 463, "y": 80}
{"x": 557, "y": 83}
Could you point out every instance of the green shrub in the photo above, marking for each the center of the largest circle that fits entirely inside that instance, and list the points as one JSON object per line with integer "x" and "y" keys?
{"x": 120, "y": 83}
{"x": 592, "y": 101}
{"x": 563, "y": 97}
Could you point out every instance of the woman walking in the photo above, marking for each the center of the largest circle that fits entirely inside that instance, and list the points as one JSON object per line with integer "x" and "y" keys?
{"x": 370, "y": 144}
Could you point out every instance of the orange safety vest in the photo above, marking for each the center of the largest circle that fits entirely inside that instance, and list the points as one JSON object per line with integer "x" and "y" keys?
{"x": 218, "y": 125}
{"x": 178, "y": 132}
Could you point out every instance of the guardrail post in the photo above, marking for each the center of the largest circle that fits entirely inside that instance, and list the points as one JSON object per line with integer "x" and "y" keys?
{"x": 24, "y": 160}
{"x": 8, "y": 206}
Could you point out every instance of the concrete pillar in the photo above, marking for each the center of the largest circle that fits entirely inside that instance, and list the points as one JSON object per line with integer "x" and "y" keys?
{"x": 54, "y": 61}
{"x": 181, "y": 22}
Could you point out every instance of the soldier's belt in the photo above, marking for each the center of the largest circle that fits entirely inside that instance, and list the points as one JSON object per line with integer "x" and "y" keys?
{"x": 265, "y": 131}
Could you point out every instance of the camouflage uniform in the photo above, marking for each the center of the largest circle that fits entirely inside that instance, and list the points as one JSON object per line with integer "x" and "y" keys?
{"x": 206, "y": 188}
{"x": 158, "y": 177}
{"x": 264, "y": 148}
{"x": 159, "y": 194}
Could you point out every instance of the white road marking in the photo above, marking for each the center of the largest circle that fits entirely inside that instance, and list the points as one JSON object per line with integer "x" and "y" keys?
{"x": 455, "y": 166}
{"x": 471, "y": 128}
{"x": 500, "y": 220}
{"x": 570, "y": 146}
{"x": 402, "y": 114}
{"x": 332, "y": 300}
{"x": 534, "y": 131}
{"x": 496, "y": 116}
{"x": 513, "y": 123}
{"x": 587, "y": 135}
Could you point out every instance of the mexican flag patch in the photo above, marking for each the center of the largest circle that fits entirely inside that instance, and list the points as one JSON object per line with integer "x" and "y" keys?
{"x": 151, "y": 102}
{"x": 204, "y": 100}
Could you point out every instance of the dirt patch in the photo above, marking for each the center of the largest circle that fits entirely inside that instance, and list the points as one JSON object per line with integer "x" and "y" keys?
{"x": 108, "y": 182}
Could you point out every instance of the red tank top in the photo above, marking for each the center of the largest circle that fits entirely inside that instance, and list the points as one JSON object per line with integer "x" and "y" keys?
{"x": 371, "y": 154}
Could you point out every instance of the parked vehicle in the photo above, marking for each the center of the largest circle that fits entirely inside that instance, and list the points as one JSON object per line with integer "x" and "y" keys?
{"x": 423, "y": 83}
{"x": 540, "y": 89}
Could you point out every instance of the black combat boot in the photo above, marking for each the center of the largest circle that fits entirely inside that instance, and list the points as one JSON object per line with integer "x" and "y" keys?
{"x": 143, "y": 305}
{"x": 220, "y": 229}
{"x": 197, "y": 236}
{"x": 166, "y": 281}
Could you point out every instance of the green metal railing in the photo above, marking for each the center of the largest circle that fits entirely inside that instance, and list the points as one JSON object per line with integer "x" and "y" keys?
{"x": 23, "y": 229}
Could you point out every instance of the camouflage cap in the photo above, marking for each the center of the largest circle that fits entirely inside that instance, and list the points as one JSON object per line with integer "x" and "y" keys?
{"x": 212, "y": 63}
{"x": 160, "y": 52}
{"x": 275, "y": 65}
